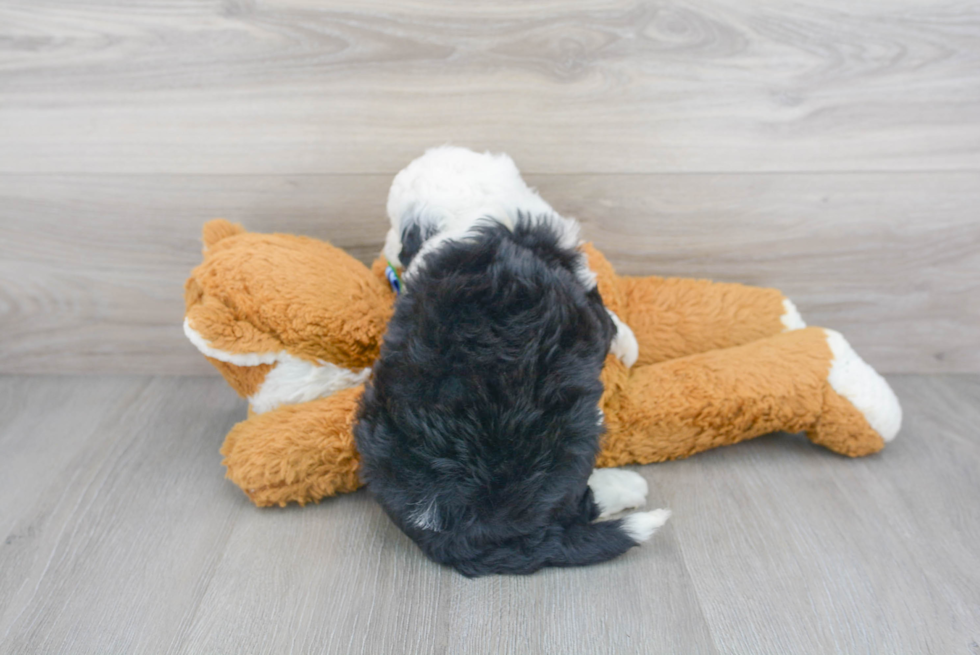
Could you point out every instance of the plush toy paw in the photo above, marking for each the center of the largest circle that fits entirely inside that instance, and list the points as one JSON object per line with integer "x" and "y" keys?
{"x": 615, "y": 490}
{"x": 296, "y": 453}
{"x": 861, "y": 412}
{"x": 852, "y": 378}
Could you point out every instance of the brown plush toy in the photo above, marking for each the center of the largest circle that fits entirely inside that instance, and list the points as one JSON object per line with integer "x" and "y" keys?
{"x": 294, "y": 325}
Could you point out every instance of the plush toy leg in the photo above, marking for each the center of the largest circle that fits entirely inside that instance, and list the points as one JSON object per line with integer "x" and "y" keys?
{"x": 676, "y": 317}
{"x": 296, "y": 453}
{"x": 804, "y": 380}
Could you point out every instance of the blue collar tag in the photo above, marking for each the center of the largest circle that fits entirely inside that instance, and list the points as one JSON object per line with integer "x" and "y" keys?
{"x": 393, "y": 278}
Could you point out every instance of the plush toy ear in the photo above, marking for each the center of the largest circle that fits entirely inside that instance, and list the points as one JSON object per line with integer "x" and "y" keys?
{"x": 218, "y": 229}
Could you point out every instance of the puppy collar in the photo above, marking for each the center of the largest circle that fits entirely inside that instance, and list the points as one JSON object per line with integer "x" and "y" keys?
{"x": 394, "y": 279}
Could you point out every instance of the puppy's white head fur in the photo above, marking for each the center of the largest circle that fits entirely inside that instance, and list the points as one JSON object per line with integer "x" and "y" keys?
{"x": 450, "y": 189}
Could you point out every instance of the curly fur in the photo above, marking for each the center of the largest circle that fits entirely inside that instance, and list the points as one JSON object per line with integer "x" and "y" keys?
{"x": 480, "y": 427}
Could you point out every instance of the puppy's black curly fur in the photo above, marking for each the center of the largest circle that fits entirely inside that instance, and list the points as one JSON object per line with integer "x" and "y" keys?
{"x": 480, "y": 427}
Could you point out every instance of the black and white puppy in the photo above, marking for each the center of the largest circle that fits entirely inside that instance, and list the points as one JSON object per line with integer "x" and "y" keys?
{"x": 479, "y": 429}
{"x": 442, "y": 194}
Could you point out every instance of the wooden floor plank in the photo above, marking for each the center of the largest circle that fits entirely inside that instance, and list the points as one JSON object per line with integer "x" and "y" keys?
{"x": 92, "y": 267}
{"x": 592, "y": 86}
{"x": 346, "y": 559}
{"x": 794, "y": 549}
{"x": 117, "y": 550}
{"x": 642, "y": 602}
{"x": 38, "y": 452}
{"x": 131, "y": 541}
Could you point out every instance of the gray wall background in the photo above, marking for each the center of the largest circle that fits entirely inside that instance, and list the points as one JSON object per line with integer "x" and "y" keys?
{"x": 831, "y": 149}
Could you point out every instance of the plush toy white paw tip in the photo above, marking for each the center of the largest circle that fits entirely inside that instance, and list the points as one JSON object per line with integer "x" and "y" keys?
{"x": 791, "y": 318}
{"x": 864, "y": 387}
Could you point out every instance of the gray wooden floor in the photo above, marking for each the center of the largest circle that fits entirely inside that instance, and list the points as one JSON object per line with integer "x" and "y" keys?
{"x": 120, "y": 535}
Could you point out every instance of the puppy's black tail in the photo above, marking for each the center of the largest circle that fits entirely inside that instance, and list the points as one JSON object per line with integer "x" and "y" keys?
{"x": 581, "y": 544}
{"x": 576, "y": 544}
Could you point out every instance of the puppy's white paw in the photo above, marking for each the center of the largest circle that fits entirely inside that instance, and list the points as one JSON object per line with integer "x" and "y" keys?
{"x": 624, "y": 345}
{"x": 641, "y": 525}
{"x": 615, "y": 490}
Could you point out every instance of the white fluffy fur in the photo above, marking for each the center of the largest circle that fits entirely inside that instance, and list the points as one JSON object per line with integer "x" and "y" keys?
{"x": 616, "y": 489}
{"x": 427, "y": 518}
{"x": 791, "y": 318}
{"x": 452, "y": 189}
{"x": 244, "y": 359}
{"x": 640, "y": 526}
{"x": 292, "y": 380}
{"x": 852, "y": 378}
{"x": 624, "y": 344}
